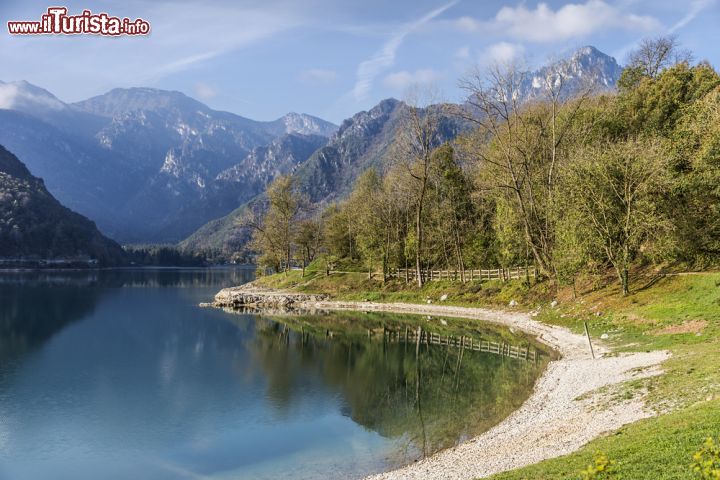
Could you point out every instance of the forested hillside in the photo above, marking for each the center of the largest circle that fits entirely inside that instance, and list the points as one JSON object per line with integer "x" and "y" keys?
{"x": 34, "y": 224}
{"x": 565, "y": 183}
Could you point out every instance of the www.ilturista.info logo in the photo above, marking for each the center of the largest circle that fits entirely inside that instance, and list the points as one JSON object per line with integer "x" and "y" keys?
{"x": 57, "y": 22}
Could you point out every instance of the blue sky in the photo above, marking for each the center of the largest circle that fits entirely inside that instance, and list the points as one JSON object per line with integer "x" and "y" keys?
{"x": 331, "y": 58}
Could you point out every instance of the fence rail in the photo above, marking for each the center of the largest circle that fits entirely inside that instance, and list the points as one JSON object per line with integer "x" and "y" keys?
{"x": 466, "y": 342}
{"x": 504, "y": 274}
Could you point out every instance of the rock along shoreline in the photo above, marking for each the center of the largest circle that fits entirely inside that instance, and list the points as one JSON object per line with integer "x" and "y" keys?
{"x": 571, "y": 404}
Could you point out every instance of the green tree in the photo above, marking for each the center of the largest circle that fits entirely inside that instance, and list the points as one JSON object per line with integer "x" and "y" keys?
{"x": 695, "y": 197}
{"x": 455, "y": 208}
{"x": 308, "y": 239}
{"x": 528, "y": 144}
{"x": 414, "y": 146}
{"x": 615, "y": 189}
{"x": 275, "y": 233}
{"x": 367, "y": 205}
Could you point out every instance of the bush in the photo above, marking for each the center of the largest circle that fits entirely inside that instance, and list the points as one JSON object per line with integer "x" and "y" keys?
{"x": 601, "y": 468}
{"x": 706, "y": 461}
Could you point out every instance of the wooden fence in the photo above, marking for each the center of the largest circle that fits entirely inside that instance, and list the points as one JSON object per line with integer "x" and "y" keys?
{"x": 466, "y": 342}
{"x": 504, "y": 274}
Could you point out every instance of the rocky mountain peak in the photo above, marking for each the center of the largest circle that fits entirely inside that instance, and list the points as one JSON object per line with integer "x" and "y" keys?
{"x": 585, "y": 68}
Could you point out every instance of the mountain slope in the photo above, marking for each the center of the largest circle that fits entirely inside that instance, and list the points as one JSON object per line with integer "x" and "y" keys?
{"x": 142, "y": 162}
{"x": 195, "y": 199}
{"x": 34, "y": 223}
{"x": 362, "y": 141}
{"x": 366, "y": 140}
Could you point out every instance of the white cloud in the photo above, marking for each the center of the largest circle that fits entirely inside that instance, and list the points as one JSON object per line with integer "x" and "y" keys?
{"x": 468, "y": 24}
{"x": 318, "y": 76}
{"x": 385, "y": 57}
{"x": 696, "y": 7}
{"x": 190, "y": 35}
{"x": 502, "y": 53}
{"x": 183, "y": 37}
{"x": 19, "y": 95}
{"x": 404, "y": 79}
{"x": 462, "y": 52}
{"x": 573, "y": 20}
{"x": 205, "y": 91}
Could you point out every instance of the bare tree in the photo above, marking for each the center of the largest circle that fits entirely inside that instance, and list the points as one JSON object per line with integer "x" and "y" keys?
{"x": 654, "y": 55}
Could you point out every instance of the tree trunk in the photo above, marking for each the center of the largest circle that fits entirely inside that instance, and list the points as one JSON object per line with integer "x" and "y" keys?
{"x": 419, "y": 239}
{"x": 287, "y": 260}
{"x": 624, "y": 281}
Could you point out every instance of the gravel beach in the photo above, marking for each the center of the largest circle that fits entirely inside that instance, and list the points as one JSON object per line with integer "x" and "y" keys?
{"x": 566, "y": 410}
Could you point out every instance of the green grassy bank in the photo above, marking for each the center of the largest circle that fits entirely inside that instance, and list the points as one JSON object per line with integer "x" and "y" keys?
{"x": 679, "y": 313}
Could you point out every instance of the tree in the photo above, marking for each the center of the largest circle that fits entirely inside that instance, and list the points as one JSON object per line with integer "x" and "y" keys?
{"x": 651, "y": 57}
{"x": 338, "y": 235}
{"x": 308, "y": 239}
{"x": 367, "y": 205}
{"x": 654, "y": 106}
{"x": 695, "y": 196}
{"x": 521, "y": 147}
{"x": 615, "y": 190}
{"x": 416, "y": 140}
{"x": 454, "y": 204}
{"x": 275, "y": 233}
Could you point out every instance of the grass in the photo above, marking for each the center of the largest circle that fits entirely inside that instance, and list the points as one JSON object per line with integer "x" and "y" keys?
{"x": 679, "y": 313}
{"x": 655, "y": 449}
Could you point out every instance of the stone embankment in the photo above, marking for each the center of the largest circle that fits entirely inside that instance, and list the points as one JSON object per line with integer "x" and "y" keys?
{"x": 250, "y": 296}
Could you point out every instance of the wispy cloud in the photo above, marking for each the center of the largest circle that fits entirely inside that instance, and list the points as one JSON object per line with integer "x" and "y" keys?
{"x": 384, "y": 58}
{"x": 502, "y": 53}
{"x": 462, "y": 52}
{"x": 404, "y": 79}
{"x": 205, "y": 91}
{"x": 571, "y": 21}
{"x": 188, "y": 36}
{"x": 318, "y": 76}
{"x": 696, "y": 7}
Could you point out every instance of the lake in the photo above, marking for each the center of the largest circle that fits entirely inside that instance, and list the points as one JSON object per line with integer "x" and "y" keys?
{"x": 119, "y": 374}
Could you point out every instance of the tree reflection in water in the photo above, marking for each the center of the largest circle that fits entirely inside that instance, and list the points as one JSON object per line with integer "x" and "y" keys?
{"x": 426, "y": 397}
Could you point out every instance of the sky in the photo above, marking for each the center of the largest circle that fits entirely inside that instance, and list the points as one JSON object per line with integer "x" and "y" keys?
{"x": 262, "y": 59}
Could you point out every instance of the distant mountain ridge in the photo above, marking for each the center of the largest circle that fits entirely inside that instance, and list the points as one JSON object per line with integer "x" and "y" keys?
{"x": 142, "y": 161}
{"x": 365, "y": 140}
{"x": 152, "y": 165}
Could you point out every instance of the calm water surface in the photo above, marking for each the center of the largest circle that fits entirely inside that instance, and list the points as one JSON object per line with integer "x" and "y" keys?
{"x": 120, "y": 375}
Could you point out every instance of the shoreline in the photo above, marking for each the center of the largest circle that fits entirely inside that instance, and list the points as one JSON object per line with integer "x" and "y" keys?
{"x": 570, "y": 405}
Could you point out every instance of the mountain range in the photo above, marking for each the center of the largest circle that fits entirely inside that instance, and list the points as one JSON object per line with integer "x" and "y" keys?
{"x": 151, "y": 165}
{"x": 143, "y": 162}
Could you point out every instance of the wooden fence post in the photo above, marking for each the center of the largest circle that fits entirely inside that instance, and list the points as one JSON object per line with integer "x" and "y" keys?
{"x": 587, "y": 332}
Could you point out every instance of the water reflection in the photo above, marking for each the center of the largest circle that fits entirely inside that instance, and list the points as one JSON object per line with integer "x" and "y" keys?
{"x": 427, "y": 390}
{"x": 119, "y": 374}
{"x": 36, "y": 305}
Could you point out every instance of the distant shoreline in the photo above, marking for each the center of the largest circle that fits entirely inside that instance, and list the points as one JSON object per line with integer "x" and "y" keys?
{"x": 553, "y": 421}
{"x": 134, "y": 267}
